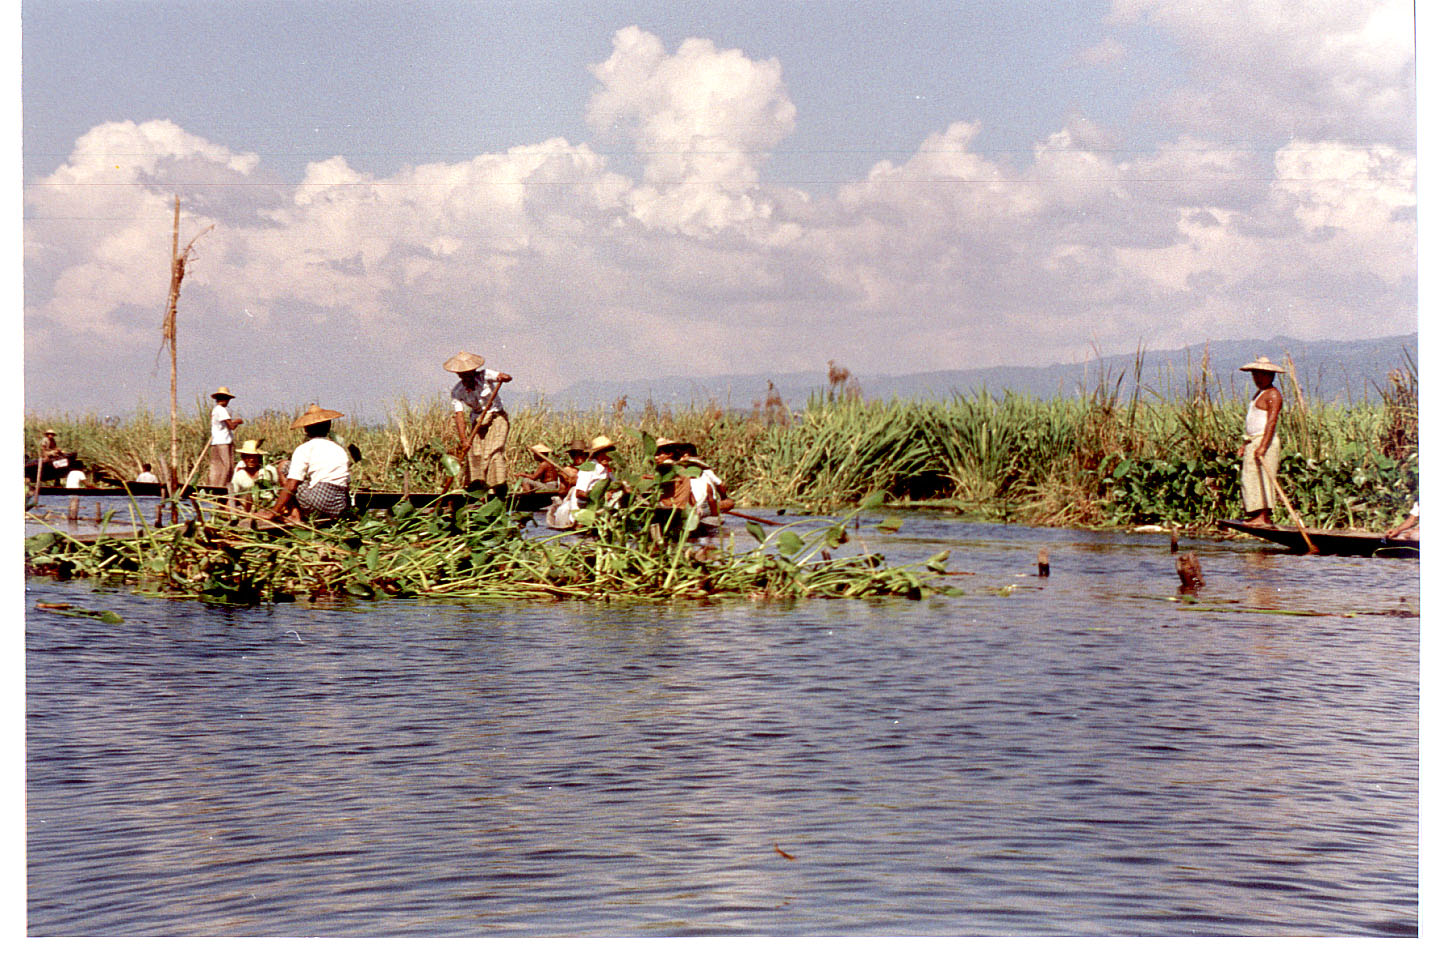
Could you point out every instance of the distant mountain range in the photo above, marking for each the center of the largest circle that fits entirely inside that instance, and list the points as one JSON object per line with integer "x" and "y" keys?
{"x": 1328, "y": 370}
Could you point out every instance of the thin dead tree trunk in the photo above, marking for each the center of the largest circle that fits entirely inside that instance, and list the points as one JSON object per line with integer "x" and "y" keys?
{"x": 177, "y": 274}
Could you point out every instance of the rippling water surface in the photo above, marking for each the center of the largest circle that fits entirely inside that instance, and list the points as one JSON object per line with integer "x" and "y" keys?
{"x": 1076, "y": 755}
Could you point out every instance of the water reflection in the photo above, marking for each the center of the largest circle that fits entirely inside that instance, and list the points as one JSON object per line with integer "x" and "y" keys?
{"x": 1081, "y": 754}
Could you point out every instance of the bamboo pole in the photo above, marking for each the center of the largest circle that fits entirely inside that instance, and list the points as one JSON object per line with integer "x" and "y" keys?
{"x": 1286, "y": 500}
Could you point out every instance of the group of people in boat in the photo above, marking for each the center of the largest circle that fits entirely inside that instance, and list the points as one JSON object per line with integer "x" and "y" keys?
{"x": 314, "y": 483}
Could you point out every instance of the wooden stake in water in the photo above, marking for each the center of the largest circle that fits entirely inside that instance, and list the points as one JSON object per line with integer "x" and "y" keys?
{"x": 1043, "y": 562}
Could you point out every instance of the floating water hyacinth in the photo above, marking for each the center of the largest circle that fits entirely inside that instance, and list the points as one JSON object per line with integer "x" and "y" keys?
{"x": 629, "y": 550}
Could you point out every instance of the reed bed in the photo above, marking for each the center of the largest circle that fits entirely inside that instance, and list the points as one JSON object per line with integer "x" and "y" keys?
{"x": 1110, "y": 455}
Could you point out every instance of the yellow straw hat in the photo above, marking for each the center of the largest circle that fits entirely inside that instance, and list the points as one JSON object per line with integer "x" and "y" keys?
{"x": 250, "y": 448}
{"x": 315, "y": 414}
{"x": 600, "y": 444}
{"x": 464, "y": 362}
{"x": 222, "y": 392}
{"x": 539, "y": 448}
{"x": 1263, "y": 363}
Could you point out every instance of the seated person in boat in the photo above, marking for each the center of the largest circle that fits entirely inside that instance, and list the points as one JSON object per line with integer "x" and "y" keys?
{"x": 146, "y": 475}
{"x": 561, "y": 515}
{"x": 318, "y": 481}
{"x": 75, "y": 474}
{"x": 547, "y": 477}
{"x": 1409, "y": 528}
{"x": 697, "y": 486}
{"x": 251, "y": 476}
{"x": 673, "y": 492}
{"x": 707, "y": 492}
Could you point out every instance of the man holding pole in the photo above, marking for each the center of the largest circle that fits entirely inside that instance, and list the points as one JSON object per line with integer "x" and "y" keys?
{"x": 1260, "y": 455}
{"x": 222, "y": 438}
{"x": 483, "y": 433}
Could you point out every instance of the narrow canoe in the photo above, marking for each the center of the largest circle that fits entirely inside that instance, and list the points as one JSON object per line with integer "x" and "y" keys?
{"x": 1340, "y": 543}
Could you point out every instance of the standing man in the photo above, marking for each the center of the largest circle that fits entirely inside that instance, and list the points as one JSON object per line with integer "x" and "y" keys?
{"x": 222, "y": 438}
{"x": 1260, "y": 456}
{"x": 483, "y": 433}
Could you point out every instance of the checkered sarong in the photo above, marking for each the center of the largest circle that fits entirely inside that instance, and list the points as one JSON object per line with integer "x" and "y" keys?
{"x": 326, "y": 499}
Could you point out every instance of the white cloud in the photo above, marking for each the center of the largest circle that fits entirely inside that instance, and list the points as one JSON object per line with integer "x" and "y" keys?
{"x": 702, "y": 120}
{"x": 1310, "y": 68}
{"x": 555, "y": 265}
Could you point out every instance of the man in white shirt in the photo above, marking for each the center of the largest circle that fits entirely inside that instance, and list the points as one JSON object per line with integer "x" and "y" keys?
{"x": 222, "y": 438}
{"x": 561, "y": 516}
{"x": 318, "y": 481}
{"x": 483, "y": 433}
{"x": 145, "y": 475}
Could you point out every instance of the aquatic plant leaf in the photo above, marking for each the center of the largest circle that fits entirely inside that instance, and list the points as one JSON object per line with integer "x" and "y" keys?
{"x": 889, "y": 525}
{"x": 450, "y": 465}
{"x": 755, "y": 530}
{"x": 937, "y": 562}
{"x": 402, "y": 509}
{"x": 873, "y": 500}
{"x": 585, "y": 517}
{"x": 40, "y": 543}
{"x": 789, "y": 542}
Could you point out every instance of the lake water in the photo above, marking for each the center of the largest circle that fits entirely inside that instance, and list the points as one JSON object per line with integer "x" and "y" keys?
{"x": 1083, "y": 754}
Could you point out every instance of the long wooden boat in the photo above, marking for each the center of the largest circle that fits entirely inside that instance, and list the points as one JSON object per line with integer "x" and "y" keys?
{"x": 363, "y": 500}
{"x": 1340, "y": 543}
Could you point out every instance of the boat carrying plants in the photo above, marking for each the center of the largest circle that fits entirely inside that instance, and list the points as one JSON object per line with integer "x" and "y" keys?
{"x": 632, "y": 550}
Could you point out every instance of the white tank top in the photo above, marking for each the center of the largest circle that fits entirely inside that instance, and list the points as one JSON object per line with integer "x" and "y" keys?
{"x": 1255, "y": 419}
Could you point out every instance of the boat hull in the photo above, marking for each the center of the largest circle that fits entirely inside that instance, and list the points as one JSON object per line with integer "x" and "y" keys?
{"x": 1340, "y": 543}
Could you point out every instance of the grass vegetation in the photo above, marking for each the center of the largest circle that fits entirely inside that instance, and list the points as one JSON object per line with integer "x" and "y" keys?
{"x": 1114, "y": 455}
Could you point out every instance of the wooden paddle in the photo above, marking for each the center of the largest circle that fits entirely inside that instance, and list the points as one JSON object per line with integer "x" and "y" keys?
{"x": 747, "y": 516}
{"x": 1286, "y": 500}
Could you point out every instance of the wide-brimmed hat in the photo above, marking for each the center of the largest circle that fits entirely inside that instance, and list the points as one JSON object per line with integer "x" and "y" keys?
{"x": 464, "y": 362}
{"x": 49, "y": 433}
{"x": 600, "y": 444}
{"x": 539, "y": 448}
{"x": 1263, "y": 363}
{"x": 250, "y": 448}
{"x": 315, "y": 414}
{"x": 577, "y": 446}
{"x": 693, "y": 461}
{"x": 223, "y": 392}
{"x": 665, "y": 443}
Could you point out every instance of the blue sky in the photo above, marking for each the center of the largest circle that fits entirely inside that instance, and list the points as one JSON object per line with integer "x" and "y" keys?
{"x": 590, "y": 190}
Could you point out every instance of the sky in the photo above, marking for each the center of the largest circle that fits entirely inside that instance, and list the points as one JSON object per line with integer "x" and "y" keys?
{"x": 597, "y": 190}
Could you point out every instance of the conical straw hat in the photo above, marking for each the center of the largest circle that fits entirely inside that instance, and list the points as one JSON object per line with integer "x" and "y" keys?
{"x": 464, "y": 362}
{"x": 315, "y": 414}
{"x": 1263, "y": 363}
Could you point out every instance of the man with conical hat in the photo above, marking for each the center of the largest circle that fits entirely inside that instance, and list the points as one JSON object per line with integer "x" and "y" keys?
{"x": 222, "y": 438}
{"x": 1260, "y": 453}
{"x": 318, "y": 481}
{"x": 484, "y": 431}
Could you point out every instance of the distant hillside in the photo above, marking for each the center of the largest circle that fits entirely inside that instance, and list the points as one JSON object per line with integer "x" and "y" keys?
{"x": 1328, "y": 370}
